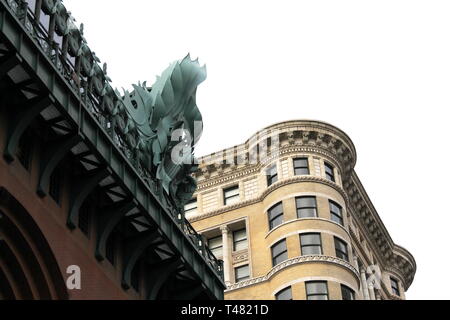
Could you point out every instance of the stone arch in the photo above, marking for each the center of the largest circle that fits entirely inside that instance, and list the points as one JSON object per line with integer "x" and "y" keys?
{"x": 28, "y": 268}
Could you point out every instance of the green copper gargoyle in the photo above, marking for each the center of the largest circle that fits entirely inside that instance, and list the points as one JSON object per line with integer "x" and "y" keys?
{"x": 164, "y": 124}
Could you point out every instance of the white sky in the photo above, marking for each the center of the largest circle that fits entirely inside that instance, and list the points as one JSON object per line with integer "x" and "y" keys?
{"x": 379, "y": 70}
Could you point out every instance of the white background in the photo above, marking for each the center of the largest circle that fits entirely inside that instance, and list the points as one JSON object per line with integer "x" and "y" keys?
{"x": 379, "y": 70}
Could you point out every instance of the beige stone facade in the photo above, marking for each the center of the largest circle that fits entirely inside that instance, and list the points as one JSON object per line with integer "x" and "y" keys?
{"x": 289, "y": 217}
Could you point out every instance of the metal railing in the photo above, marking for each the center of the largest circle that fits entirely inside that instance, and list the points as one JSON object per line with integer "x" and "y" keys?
{"x": 53, "y": 29}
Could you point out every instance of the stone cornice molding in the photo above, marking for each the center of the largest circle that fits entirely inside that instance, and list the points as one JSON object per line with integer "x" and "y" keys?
{"x": 223, "y": 176}
{"x": 296, "y": 136}
{"x": 266, "y": 192}
{"x": 293, "y": 262}
{"x": 366, "y": 216}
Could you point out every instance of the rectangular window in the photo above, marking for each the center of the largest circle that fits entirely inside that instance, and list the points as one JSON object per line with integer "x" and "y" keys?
{"x": 395, "y": 287}
{"x": 285, "y": 294}
{"x": 272, "y": 175}
{"x": 231, "y": 195}
{"x": 215, "y": 245}
{"x": 311, "y": 244}
{"x": 240, "y": 240}
{"x": 279, "y": 252}
{"x": 301, "y": 166}
{"x": 242, "y": 273}
{"x": 190, "y": 208}
{"x": 347, "y": 293}
{"x": 329, "y": 172}
{"x": 336, "y": 213}
{"x": 341, "y": 249}
{"x": 306, "y": 207}
{"x": 275, "y": 215}
{"x": 316, "y": 290}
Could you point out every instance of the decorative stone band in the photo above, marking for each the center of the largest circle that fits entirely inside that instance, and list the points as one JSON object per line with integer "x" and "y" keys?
{"x": 240, "y": 256}
{"x": 221, "y": 176}
{"x": 275, "y": 186}
{"x": 293, "y": 262}
{"x": 308, "y": 134}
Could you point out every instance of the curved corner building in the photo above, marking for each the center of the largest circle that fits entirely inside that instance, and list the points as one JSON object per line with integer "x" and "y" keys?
{"x": 290, "y": 219}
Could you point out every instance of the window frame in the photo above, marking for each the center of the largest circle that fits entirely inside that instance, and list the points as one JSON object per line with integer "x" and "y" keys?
{"x": 298, "y": 209}
{"x": 272, "y": 177}
{"x": 349, "y": 290}
{"x": 193, "y": 200}
{"x": 395, "y": 290}
{"x": 283, "y": 291}
{"x": 308, "y": 295}
{"x": 233, "y": 197}
{"x": 330, "y": 176}
{"x": 235, "y": 242}
{"x": 271, "y": 219}
{"x": 311, "y": 245}
{"x": 339, "y": 251}
{"x": 236, "y": 279}
{"x": 285, "y": 251}
{"x": 215, "y": 248}
{"x": 340, "y": 216}
{"x": 301, "y": 167}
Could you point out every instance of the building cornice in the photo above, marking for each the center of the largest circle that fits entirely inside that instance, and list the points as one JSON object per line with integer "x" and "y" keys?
{"x": 294, "y": 136}
{"x": 389, "y": 254}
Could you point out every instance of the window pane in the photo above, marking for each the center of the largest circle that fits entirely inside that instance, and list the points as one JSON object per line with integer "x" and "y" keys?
{"x": 279, "y": 252}
{"x": 285, "y": 294}
{"x": 318, "y": 297}
{"x": 347, "y": 293}
{"x": 306, "y": 213}
{"x": 241, "y": 245}
{"x": 310, "y": 239}
{"x": 329, "y": 172}
{"x": 395, "y": 287}
{"x": 276, "y": 215}
{"x": 303, "y": 202}
{"x": 279, "y": 248}
{"x": 272, "y": 170}
{"x": 272, "y": 176}
{"x": 335, "y": 208}
{"x": 231, "y": 192}
{"x": 191, "y": 205}
{"x": 240, "y": 235}
{"x": 311, "y": 250}
{"x": 217, "y": 252}
{"x": 242, "y": 273}
{"x": 317, "y": 288}
{"x": 231, "y": 195}
{"x": 276, "y": 222}
{"x": 301, "y": 171}
{"x": 215, "y": 242}
{"x": 280, "y": 258}
{"x": 301, "y": 162}
{"x": 340, "y": 245}
{"x": 337, "y": 219}
{"x": 276, "y": 210}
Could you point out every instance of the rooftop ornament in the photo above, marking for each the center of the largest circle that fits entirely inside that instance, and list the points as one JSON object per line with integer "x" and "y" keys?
{"x": 162, "y": 124}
